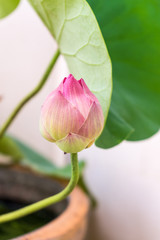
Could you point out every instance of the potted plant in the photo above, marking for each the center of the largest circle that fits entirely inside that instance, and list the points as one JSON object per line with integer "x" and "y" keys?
{"x": 74, "y": 27}
{"x": 20, "y": 187}
{"x": 21, "y": 175}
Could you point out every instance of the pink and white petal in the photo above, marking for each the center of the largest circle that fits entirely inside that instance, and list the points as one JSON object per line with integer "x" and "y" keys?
{"x": 73, "y": 143}
{"x": 94, "y": 123}
{"x": 73, "y": 92}
{"x": 87, "y": 91}
{"x": 91, "y": 143}
{"x": 51, "y": 95}
{"x": 60, "y": 117}
{"x": 44, "y": 132}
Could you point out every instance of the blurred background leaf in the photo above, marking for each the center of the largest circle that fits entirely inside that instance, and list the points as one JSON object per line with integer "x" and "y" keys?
{"x": 131, "y": 30}
{"x": 9, "y": 148}
{"x": 7, "y": 7}
{"x": 41, "y": 164}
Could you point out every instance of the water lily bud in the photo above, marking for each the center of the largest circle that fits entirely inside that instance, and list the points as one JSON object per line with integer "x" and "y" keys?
{"x": 71, "y": 116}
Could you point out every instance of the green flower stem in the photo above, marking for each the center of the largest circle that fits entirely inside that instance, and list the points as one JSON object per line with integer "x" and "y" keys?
{"x": 31, "y": 94}
{"x": 48, "y": 201}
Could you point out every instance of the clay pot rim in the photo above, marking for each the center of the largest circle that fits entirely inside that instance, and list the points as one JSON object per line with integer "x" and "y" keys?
{"x": 75, "y": 213}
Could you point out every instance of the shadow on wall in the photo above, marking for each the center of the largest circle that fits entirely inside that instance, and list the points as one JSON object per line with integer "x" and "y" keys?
{"x": 94, "y": 229}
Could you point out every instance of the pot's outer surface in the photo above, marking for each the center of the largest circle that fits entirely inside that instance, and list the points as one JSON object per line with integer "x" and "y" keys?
{"x": 71, "y": 224}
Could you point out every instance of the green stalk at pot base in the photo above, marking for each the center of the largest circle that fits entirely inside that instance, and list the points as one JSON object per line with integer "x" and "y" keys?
{"x": 48, "y": 201}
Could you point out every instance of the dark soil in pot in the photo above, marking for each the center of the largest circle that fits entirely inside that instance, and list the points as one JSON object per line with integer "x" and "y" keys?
{"x": 18, "y": 188}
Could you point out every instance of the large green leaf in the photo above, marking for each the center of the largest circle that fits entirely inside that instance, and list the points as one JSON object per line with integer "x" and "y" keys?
{"x": 74, "y": 27}
{"x": 131, "y": 30}
{"x": 7, "y": 6}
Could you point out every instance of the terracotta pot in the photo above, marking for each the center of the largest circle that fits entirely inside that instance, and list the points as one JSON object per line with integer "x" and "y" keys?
{"x": 25, "y": 186}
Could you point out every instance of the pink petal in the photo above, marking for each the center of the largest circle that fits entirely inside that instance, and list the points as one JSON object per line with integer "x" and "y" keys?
{"x": 44, "y": 132}
{"x": 58, "y": 89}
{"x": 94, "y": 123}
{"x": 60, "y": 117}
{"x": 87, "y": 91}
{"x": 74, "y": 93}
{"x": 90, "y": 144}
{"x": 73, "y": 143}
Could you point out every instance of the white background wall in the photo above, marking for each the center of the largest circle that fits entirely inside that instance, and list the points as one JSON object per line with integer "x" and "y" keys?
{"x": 125, "y": 180}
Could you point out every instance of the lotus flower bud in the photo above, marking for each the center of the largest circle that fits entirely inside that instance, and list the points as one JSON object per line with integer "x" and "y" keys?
{"x": 71, "y": 116}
